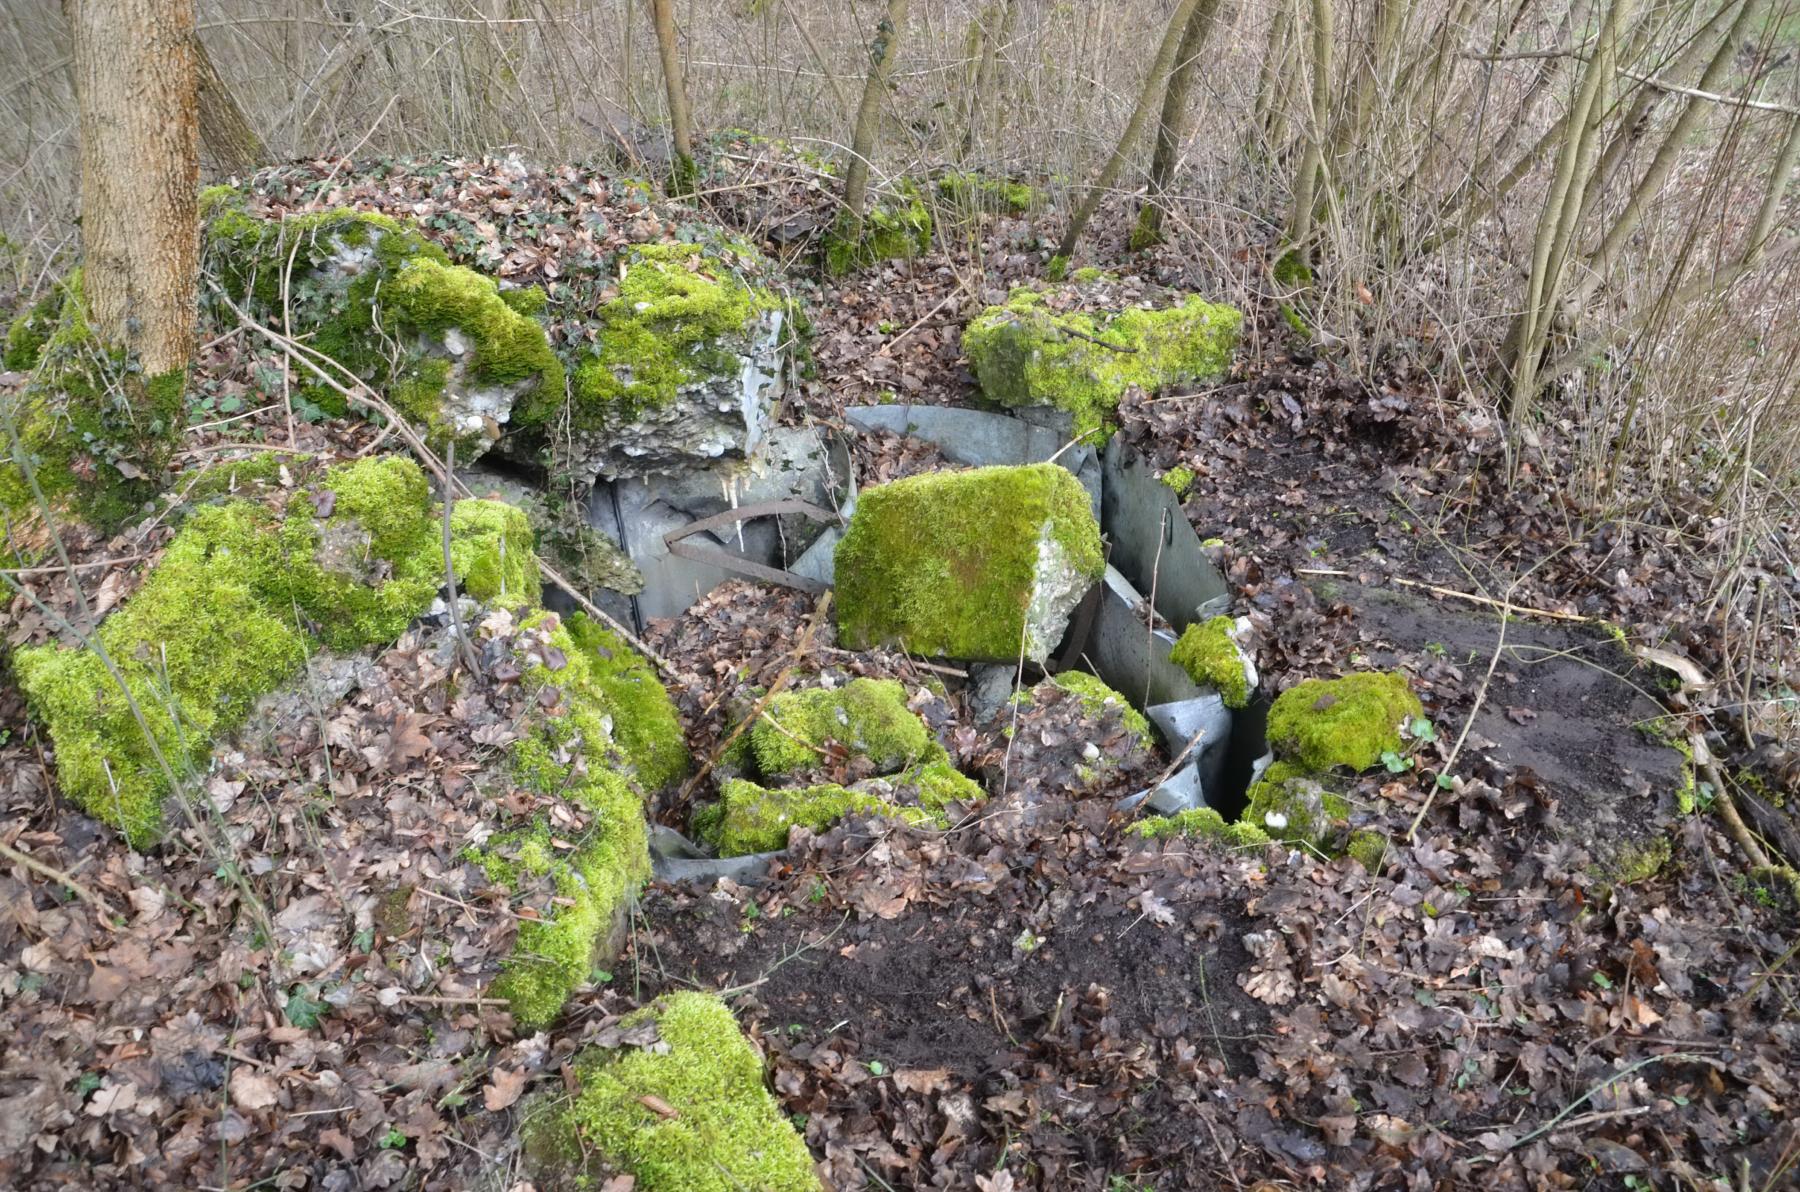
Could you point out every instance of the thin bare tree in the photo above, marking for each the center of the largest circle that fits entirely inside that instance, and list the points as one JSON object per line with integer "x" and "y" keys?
{"x": 681, "y": 131}
{"x": 882, "y": 52}
{"x": 1134, "y": 127}
{"x": 1172, "y": 130}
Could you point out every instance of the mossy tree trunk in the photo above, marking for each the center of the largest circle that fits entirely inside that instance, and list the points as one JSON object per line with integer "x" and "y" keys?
{"x": 1172, "y": 130}
{"x": 1140, "y": 116}
{"x": 231, "y": 145}
{"x": 882, "y": 52}
{"x": 681, "y": 117}
{"x": 137, "y": 100}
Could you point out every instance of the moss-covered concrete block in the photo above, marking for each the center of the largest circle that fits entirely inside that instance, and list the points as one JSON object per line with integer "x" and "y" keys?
{"x": 1209, "y": 652}
{"x": 1096, "y": 698}
{"x": 688, "y": 1114}
{"x": 448, "y": 348}
{"x": 645, "y": 728}
{"x": 974, "y": 193}
{"x": 750, "y": 818}
{"x": 1053, "y": 348}
{"x": 491, "y": 546}
{"x": 1293, "y": 804}
{"x": 686, "y": 363}
{"x": 865, "y": 718}
{"x": 1350, "y": 721}
{"x": 986, "y": 564}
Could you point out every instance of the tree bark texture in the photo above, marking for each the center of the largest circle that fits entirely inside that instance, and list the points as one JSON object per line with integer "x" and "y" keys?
{"x": 681, "y": 131}
{"x": 137, "y": 102}
{"x": 1172, "y": 130}
{"x": 231, "y": 144}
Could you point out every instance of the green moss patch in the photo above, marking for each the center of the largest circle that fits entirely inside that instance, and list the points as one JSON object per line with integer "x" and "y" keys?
{"x": 1096, "y": 697}
{"x": 756, "y": 819}
{"x": 94, "y": 431}
{"x": 974, "y": 193}
{"x": 689, "y": 1114}
{"x": 645, "y": 727}
{"x": 865, "y": 718}
{"x": 893, "y": 230}
{"x": 1209, "y": 653}
{"x": 949, "y": 563}
{"x": 27, "y": 334}
{"x": 1202, "y": 823}
{"x": 491, "y": 545}
{"x": 680, "y": 313}
{"x": 228, "y": 614}
{"x": 1029, "y": 353}
{"x": 1349, "y": 721}
{"x": 1292, "y": 804}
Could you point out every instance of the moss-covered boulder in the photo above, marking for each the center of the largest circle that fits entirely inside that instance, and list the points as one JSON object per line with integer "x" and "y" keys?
{"x": 1065, "y": 348}
{"x": 685, "y": 1112}
{"x": 986, "y": 564}
{"x": 1351, "y": 721}
{"x": 971, "y": 192}
{"x": 685, "y": 363}
{"x": 750, "y": 818}
{"x": 866, "y": 718}
{"x": 645, "y": 728}
{"x": 234, "y": 606}
{"x": 864, "y": 727}
{"x": 447, "y": 347}
{"x": 1209, "y": 652}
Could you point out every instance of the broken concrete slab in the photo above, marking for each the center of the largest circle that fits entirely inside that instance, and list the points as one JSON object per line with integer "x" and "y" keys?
{"x": 980, "y": 438}
{"x": 1205, "y": 716}
{"x": 631, "y": 515}
{"x": 1154, "y": 546}
{"x": 1133, "y": 659}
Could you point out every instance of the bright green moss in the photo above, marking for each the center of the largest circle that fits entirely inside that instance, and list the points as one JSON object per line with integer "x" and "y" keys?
{"x": 1369, "y": 848}
{"x": 1209, "y": 654}
{"x": 1350, "y": 721}
{"x": 725, "y": 1133}
{"x": 865, "y": 718}
{"x": 365, "y": 571}
{"x": 508, "y": 347}
{"x": 1202, "y": 823}
{"x": 1291, "y": 270}
{"x": 645, "y": 726}
{"x": 27, "y": 334}
{"x": 975, "y": 193}
{"x": 1089, "y": 273}
{"x": 1290, "y": 804}
{"x": 896, "y": 230}
{"x": 1096, "y": 697}
{"x": 1179, "y": 479}
{"x": 1025, "y": 354}
{"x": 491, "y": 545}
{"x": 552, "y": 956}
{"x": 938, "y": 784}
{"x": 677, "y": 305}
{"x": 756, "y": 819}
{"x": 1638, "y": 861}
{"x": 254, "y": 474}
{"x": 196, "y": 646}
{"x": 946, "y": 563}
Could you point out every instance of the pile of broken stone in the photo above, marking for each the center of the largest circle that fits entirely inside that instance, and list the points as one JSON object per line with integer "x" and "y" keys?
{"x": 1045, "y": 550}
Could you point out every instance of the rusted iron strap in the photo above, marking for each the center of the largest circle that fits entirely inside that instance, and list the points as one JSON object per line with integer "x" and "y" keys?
{"x": 728, "y": 562}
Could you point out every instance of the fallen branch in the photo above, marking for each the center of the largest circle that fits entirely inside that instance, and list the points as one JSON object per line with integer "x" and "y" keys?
{"x": 27, "y": 861}
{"x": 1471, "y": 597}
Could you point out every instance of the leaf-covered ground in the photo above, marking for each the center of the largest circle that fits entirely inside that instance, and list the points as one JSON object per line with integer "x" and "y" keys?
{"x": 1033, "y": 999}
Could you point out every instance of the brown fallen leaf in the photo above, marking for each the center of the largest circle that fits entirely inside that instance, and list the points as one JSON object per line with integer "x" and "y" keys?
{"x": 250, "y": 1089}
{"x": 658, "y": 1106}
{"x": 922, "y": 1080}
{"x": 504, "y": 1089}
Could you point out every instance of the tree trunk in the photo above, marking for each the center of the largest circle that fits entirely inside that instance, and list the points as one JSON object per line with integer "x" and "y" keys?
{"x": 868, "y": 113}
{"x": 1140, "y": 116}
{"x": 1172, "y": 131}
{"x": 1309, "y": 182}
{"x": 993, "y": 28}
{"x": 137, "y": 100}
{"x": 231, "y": 145}
{"x": 681, "y": 168}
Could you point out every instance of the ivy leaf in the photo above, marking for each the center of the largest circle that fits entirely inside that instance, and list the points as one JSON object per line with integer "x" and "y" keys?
{"x": 1423, "y": 730}
{"x": 1395, "y": 763}
{"x": 303, "y": 1010}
